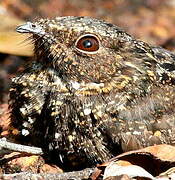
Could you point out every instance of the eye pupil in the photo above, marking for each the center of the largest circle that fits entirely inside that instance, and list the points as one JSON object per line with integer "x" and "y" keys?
{"x": 87, "y": 43}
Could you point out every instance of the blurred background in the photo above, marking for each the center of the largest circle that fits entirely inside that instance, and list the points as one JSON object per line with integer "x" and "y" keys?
{"x": 152, "y": 21}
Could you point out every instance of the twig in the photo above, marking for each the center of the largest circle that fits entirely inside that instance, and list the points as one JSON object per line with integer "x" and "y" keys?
{"x": 76, "y": 175}
{"x": 20, "y": 147}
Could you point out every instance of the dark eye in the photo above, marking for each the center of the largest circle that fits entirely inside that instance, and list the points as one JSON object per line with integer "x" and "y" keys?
{"x": 88, "y": 43}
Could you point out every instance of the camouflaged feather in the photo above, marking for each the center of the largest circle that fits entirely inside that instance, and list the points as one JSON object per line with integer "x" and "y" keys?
{"x": 83, "y": 107}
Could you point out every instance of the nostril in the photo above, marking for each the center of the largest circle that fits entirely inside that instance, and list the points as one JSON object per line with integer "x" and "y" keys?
{"x": 33, "y": 26}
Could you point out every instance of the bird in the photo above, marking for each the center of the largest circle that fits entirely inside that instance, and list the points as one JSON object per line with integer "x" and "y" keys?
{"x": 92, "y": 92}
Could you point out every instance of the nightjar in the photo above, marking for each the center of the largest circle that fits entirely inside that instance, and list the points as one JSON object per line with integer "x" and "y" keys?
{"x": 92, "y": 92}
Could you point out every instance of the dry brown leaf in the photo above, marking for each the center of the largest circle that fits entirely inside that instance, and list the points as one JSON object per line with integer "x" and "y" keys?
{"x": 96, "y": 173}
{"x": 163, "y": 152}
{"x": 160, "y": 31}
{"x": 131, "y": 171}
{"x": 4, "y": 119}
{"x": 13, "y": 43}
{"x": 22, "y": 163}
{"x": 168, "y": 175}
{"x": 154, "y": 159}
{"x": 18, "y": 7}
{"x": 10, "y": 41}
{"x": 28, "y": 163}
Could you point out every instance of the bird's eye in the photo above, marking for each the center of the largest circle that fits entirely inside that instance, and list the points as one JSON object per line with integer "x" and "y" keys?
{"x": 87, "y": 43}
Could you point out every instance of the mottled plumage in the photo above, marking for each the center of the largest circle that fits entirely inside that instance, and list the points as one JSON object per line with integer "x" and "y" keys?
{"x": 92, "y": 92}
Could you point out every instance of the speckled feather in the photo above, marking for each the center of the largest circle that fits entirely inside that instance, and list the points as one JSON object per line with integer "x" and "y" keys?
{"x": 85, "y": 107}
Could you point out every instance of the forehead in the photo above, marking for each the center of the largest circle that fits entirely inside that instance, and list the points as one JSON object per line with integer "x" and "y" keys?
{"x": 82, "y": 24}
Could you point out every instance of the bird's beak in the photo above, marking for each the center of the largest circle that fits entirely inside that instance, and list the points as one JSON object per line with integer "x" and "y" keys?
{"x": 25, "y": 28}
{"x": 30, "y": 28}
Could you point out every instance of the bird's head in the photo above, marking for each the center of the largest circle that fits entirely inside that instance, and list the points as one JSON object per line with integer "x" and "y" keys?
{"x": 88, "y": 51}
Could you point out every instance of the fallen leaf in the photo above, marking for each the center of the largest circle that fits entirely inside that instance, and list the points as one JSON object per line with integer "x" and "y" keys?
{"x": 20, "y": 162}
{"x": 10, "y": 41}
{"x": 153, "y": 159}
{"x": 131, "y": 171}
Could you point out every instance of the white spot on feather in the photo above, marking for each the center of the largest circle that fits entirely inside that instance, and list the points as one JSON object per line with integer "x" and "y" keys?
{"x": 75, "y": 85}
{"x": 87, "y": 111}
{"x": 25, "y": 132}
